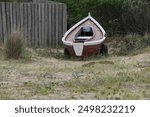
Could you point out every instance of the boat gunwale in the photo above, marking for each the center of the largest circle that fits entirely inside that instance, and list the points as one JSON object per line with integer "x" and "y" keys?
{"x": 86, "y": 42}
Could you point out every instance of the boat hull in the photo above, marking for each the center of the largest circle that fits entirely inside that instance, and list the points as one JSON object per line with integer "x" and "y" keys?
{"x": 88, "y": 50}
{"x": 84, "y": 39}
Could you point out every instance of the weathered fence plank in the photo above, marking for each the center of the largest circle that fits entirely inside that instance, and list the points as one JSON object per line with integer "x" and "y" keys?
{"x": 7, "y": 19}
{"x": 14, "y": 16}
{"x": 57, "y": 25}
{"x": 45, "y": 24}
{"x": 11, "y": 18}
{"x": 36, "y": 25}
{"x": 49, "y": 25}
{"x": 60, "y": 21}
{"x": 1, "y": 36}
{"x": 29, "y": 22}
{"x": 21, "y": 19}
{"x": 25, "y": 23}
{"x": 64, "y": 19}
{"x": 41, "y": 24}
{"x": 53, "y": 26}
{"x": 32, "y": 24}
{"x": 4, "y": 21}
{"x": 18, "y": 16}
{"x": 42, "y": 32}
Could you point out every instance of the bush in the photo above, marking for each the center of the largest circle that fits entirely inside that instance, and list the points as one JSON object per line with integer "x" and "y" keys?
{"x": 116, "y": 16}
{"x": 136, "y": 16}
{"x": 134, "y": 42}
{"x": 14, "y": 45}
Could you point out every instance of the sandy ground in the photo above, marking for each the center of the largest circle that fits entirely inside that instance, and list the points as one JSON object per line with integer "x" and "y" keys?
{"x": 43, "y": 77}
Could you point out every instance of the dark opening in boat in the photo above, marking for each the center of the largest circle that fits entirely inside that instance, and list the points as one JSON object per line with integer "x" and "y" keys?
{"x": 84, "y": 33}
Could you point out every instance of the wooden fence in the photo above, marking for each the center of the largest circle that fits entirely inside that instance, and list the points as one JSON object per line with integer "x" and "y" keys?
{"x": 41, "y": 24}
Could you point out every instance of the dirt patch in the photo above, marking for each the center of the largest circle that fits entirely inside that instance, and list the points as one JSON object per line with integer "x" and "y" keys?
{"x": 98, "y": 62}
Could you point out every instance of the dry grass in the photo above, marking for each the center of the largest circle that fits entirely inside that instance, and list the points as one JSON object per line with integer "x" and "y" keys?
{"x": 51, "y": 76}
{"x": 14, "y": 46}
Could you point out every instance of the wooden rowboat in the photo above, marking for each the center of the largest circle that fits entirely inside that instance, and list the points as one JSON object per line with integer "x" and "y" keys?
{"x": 84, "y": 39}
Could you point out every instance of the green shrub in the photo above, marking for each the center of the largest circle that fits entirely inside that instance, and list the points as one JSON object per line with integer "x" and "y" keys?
{"x": 136, "y": 16}
{"x": 14, "y": 45}
{"x": 116, "y": 16}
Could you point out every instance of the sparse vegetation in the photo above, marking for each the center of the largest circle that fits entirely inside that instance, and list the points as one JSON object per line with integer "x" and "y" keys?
{"x": 50, "y": 53}
{"x": 42, "y": 88}
{"x": 45, "y": 76}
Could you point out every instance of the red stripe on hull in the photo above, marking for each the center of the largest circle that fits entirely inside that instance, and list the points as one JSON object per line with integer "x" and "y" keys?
{"x": 89, "y": 50}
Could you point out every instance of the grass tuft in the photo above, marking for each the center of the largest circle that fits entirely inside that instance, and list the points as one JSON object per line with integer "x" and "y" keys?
{"x": 14, "y": 46}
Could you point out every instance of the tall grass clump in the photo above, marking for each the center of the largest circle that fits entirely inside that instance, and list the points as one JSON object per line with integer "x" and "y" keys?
{"x": 14, "y": 45}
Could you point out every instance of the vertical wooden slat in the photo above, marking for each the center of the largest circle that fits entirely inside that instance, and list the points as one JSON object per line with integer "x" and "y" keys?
{"x": 54, "y": 22}
{"x": 11, "y": 18}
{"x": 25, "y": 22}
{"x": 46, "y": 24}
{"x": 32, "y": 25}
{"x": 47, "y": 29}
{"x": 53, "y": 25}
{"x": 36, "y": 25}
{"x": 4, "y": 21}
{"x": 43, "y": 18}
{"x": 21, "y": 20}
{"x": 57, "y": 25}
{"x": 1, "y": 26}
{"x": 58, "y": 30}
{"x": 21, "y": 16}
{"x": 40, "y": 25}
{"x": 7, "y": 20}
{"x": 18, "y": 16}
{"x": 60, "y": 25}
{"x": 64, "y": 19}
{"x": 14, "y": 16}
{"x": 34, "y": 33}
{"x": 38, "y": 22}
{"x": 49, "y": 25}
{"x": 29, "y": 25}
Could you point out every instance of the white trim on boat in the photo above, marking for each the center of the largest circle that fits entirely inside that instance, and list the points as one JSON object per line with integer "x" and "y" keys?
{"x": 94, "y": 42}
{"x": 67, "y": 43}
{"x": 84, "y": 37}
{"x": 85, "y": 43}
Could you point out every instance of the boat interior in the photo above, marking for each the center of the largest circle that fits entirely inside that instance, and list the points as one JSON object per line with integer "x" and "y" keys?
{"x": 85, "y": 32}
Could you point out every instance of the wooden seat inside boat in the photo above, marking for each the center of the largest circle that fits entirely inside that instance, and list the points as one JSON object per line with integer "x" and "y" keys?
{"x": 85, "y": 33}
